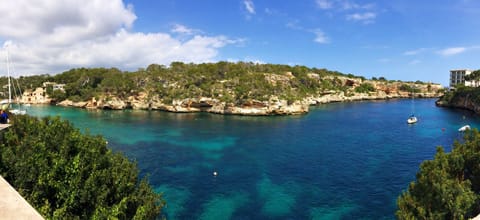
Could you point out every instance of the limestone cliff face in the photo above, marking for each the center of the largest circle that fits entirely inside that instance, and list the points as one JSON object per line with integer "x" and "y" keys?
{"x": 273, "y": 106}
{"x": 204, "y": 104}
{"x": 461, "y": 101}
{"x": 341, "y": 97}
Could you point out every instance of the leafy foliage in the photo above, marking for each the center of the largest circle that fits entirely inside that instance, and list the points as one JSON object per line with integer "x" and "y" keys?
{"x": 447, "y": 187}
{"x": 460, "y": 93}
{"x": 409, "y": 88}
{"x": 364, "y": 88}
{"x": 236, "y": 83}
{"x": 474, "y": 76}
{"x": 65, "y": 174}
{"x": 233, "y": 82}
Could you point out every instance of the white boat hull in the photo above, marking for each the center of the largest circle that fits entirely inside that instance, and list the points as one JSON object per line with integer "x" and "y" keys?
{"x": 18, "y": 111}
{"x": 464, "y": 128}
{"x": 412, "y": 120}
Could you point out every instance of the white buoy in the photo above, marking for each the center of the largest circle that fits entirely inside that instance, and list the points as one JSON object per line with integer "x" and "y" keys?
{"x": 215, "y": 173}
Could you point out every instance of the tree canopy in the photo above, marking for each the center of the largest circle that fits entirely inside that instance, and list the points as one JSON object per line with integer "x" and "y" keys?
{"x": 447, "y": 187}
{"x": 461, "y": 93}
{"x": 66, "y": 174}
{"x": 226, "y": 81}
{"x": 474, "y": 76}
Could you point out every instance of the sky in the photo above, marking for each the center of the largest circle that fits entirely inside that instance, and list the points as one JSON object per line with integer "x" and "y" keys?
{"x": 396, "y": 39}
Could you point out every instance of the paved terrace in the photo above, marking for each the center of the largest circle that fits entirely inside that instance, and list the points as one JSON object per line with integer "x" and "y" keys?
{"x": 13, "y": 205}
{"x": 3, "y": 126}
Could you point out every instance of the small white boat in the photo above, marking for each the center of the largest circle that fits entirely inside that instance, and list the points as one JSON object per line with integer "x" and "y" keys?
{"x": 464, "y": 128}
{"x": 18, "y": 111}
{"x": 412, "y": 119}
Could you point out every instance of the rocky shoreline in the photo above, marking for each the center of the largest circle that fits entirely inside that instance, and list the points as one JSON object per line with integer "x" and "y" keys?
{"x": 287, "y": 100}
{"x": 274, "y": 106}
{"x": 461, "y": 102}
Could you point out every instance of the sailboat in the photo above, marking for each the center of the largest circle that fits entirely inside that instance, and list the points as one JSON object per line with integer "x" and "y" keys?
{"x": 6, "y": 104}
{"x": 412, "y": 119}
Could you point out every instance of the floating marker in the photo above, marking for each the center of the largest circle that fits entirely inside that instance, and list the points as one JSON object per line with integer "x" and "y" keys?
{"x": 215, "y": 173}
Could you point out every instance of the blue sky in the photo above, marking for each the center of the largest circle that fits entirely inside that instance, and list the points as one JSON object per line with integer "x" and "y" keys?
{"x": 397, "y": 39}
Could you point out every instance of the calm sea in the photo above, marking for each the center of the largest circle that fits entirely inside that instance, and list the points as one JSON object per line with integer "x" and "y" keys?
{"x": 340, "y": 161}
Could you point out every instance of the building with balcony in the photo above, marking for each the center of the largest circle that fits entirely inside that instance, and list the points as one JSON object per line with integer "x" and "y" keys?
{"x": 458, "y": 77}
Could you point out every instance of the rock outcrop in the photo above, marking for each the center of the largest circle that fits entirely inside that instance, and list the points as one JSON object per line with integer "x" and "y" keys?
{"x": 341, "y": 97}
{"x": 461, "y": 101}
{"x": 274, "y": 106}
{"x": 271, "y": 107}
{"x": 345, "y": 91}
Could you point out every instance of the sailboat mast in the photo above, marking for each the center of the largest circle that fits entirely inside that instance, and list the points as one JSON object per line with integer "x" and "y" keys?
{"x": 412, "y": 93}
{"x": 8, "y": 75}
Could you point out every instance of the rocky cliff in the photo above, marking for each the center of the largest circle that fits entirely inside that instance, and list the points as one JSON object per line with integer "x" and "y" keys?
{"x": 460, "y": 100}
{"x": 273, "y": 106}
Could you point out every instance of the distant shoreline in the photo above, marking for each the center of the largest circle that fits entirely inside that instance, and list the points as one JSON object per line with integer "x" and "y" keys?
{"x": 255, "y": 108}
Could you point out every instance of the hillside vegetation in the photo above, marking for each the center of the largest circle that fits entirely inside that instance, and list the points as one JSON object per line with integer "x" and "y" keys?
{"x": 235, "y": 83}
{"x": 462, "y": 97}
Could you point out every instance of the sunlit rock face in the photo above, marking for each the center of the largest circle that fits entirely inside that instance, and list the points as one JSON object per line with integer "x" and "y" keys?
{"x": 274, "y": 105}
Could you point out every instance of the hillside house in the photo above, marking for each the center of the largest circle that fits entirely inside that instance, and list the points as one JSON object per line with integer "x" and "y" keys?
{"x": 37, "y": 96}
{"x": 457, "y": 77}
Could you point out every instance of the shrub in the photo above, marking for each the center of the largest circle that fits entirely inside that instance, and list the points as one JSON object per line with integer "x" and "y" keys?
{"x": 446, "y": 187}
{"x": 66, "y": 174}
{"x": 365, "y": 88}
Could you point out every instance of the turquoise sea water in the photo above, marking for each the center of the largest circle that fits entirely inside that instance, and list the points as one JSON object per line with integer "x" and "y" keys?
{"x": 340, "y": 161}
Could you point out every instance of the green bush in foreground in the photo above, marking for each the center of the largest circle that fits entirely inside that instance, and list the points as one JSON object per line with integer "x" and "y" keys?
{"x": 447, "y": 187}
{"x": 65, "y": 174}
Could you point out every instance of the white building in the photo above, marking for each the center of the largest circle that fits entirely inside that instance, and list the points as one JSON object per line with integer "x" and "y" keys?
{"x": 458, "y": 77}
{"x": 60, "y": 87}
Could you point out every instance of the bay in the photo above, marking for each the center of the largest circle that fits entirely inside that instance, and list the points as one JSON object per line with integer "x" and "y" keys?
{"x": 340, "y": 161}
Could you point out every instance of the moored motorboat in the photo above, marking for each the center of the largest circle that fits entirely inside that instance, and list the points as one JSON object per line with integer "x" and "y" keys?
{"x": 464, "y": 128}
{"x": 412, "y": 119}
{"x": 18, "y": 112}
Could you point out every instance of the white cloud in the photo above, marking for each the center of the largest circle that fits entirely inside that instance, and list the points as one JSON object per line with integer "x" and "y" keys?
{"x": 324, "y": 4}
{"x": 364, "y": 13}
{"x": 181, "y": 29}
{"x": 249, "y": 6}
{"x": 48, "y": 37}
{"x": 414, "y": 52}
{"x": 320, "y": 37}
{"x": 343, "y": 5}
{"x": 347, "y": 5}
{"x": 294, "y": 25}
{"x": 366, "y": 18}
{"x": 70, "y": 21}
{"x": 452, "y": 51}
